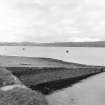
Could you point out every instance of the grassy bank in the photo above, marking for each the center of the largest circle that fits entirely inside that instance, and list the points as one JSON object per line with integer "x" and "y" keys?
{"x": 15, "y": 61}
{"x": 39, "y": 78}
{"x": 13, "y": 92}
{"x": 38, "y": 73}
{"x": 21, "y": 97}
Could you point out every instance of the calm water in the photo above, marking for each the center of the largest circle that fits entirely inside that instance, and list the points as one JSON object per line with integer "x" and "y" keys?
{"x": 90, "y": 91}
{"x": 91, "y": 56}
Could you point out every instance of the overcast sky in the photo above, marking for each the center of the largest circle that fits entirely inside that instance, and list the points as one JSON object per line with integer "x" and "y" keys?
{"x": 52, "y": 20}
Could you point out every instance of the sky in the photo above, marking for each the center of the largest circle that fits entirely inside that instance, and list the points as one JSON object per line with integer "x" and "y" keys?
{"x": 52, "y": 20}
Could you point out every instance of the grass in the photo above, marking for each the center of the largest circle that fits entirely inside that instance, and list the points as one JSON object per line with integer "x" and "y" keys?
{"x": 35, "y": 76}
{"x": 35, "y": 71}
{"x": 41, "y": 74}
{"x": 21, "y": 97}
{"x": 17, "y": 95}
{"x": 15, "y": 61}
{"x": 46, "y": 80}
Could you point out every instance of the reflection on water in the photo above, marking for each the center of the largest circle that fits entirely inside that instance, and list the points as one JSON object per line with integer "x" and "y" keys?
{"x": 90, "y": 91}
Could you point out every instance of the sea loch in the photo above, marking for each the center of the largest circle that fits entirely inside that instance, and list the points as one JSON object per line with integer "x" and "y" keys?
{"x": 83, "y": 55}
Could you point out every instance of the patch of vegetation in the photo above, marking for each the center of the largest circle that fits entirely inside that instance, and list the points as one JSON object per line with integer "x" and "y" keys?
{"x": 32, "y": 77}
{"x": 49, "y": 87}
{"x": 21, "y": 97}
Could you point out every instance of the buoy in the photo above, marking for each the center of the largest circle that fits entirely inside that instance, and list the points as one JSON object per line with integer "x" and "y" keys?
{"x": 67, "y": 51}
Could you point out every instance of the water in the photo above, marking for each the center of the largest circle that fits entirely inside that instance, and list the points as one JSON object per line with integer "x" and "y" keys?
{"x": 90, "y": 91}
{"x": 91, "y": 56}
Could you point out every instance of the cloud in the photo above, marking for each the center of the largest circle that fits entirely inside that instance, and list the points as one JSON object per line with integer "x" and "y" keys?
{"x": 52, "y": 20}
{"x": 83, "y": 39}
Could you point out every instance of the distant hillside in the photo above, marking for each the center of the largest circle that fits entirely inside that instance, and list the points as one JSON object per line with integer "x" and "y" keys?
{"x": 76, "y": 44}
{"x": 18, "y": 43}
{"x": 57, "y": 44}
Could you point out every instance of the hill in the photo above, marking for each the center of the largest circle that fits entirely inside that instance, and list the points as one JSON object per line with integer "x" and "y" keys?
{"x": 57, "y": 44}
{"x": 75, "y": 44}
